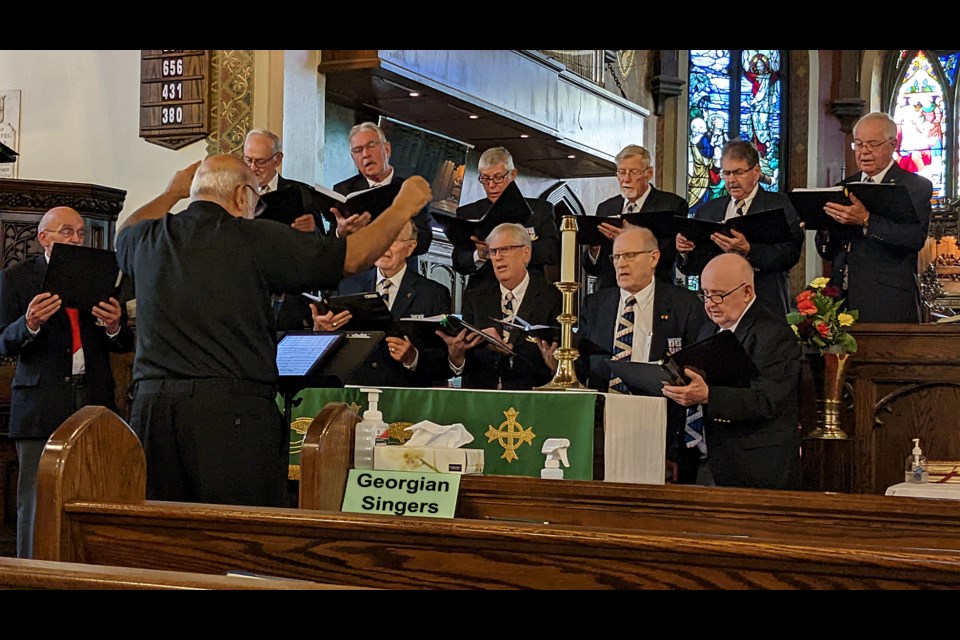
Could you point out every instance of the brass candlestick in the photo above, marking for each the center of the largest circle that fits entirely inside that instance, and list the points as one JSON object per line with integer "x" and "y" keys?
{"x": 565, "y": 378}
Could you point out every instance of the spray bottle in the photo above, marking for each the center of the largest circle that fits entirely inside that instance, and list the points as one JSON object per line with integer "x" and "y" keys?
{"x": 367, "y": 431}
{"x": 916, "y": 467}
{"x": 556, "y": 450}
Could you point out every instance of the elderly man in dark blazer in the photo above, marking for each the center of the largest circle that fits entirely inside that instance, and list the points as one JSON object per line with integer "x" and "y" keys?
{"x": 752, "y": 434}
{"x": 667, "y": 318}
{"x": 370, "y": 151}
{"x": 515, "y": 292}
{"x": 497, "y": 172}
{"x": 875, "y": 262}
{"x": 398, "y": 361}
{"x": 63, "y": 357}
{"x": 772, "y": 262}
{"x": 637, "y": 195}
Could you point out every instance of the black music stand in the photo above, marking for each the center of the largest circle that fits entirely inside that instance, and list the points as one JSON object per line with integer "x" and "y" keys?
{"x": 308, "y": 359}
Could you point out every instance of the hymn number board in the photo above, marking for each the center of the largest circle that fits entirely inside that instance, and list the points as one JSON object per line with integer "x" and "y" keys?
{"x": 174, "y": 96}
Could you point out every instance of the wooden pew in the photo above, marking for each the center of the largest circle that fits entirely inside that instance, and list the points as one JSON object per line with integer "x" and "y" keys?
{"x": 861, "y": 519}
{"x": 19, "y": 573}
{"x": 91, "y": 509}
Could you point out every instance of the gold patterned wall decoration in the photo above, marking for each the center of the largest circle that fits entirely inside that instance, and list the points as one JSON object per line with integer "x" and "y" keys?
{"x": 231, "y": 100}
{"x": 630, "y": 76}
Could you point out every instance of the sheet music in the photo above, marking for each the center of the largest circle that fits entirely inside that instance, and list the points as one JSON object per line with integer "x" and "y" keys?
{"x": 296, "y": 354}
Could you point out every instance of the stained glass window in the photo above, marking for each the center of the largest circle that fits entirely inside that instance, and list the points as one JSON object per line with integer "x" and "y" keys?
{"x": 923, "y": 104}
{"x": 733, "y": 94}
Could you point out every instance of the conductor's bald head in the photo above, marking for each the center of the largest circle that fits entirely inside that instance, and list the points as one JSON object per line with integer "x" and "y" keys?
{"x": 727, "y": 284}
{"x": 226, "y": 180}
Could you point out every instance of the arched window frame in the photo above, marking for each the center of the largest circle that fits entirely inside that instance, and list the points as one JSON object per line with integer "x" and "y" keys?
{"x": 893, "y": 74}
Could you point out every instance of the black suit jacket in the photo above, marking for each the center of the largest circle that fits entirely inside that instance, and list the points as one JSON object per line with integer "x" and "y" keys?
{"x": 771, "y": 262}
{"x": 678, "y": 319}
{"x": 752, "y": 435}
{"x": 881, "y": 265}
{"x": 416, "y": 296}
{"x": 422, "y": 220}
{"x": 541, "y": 305}
{"x": 657, "y": 200}
{"x": 544, "y": 233}
{"x": 42, "y": 396}
{"x": 291, "y": 200}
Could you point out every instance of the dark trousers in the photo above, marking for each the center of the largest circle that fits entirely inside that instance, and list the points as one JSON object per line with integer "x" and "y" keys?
{"x": 218, "y": 441}
{"x": 29, "y": 451}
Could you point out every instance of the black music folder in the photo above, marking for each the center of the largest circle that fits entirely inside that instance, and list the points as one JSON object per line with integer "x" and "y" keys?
{"x": 375, "y": 201}
{"x": 664, "y": 224}
{"x": 588, "y": 233}
{"x": 809, "y": 204}
{"x": 369, "y": 310}
{"x": 82, "y": 276}
{"x": 424, "y": 328}
{"x": 720, "y": 359}
{"x": 549, "y": 333}
{"x": 763, "y": 227}
{"x": 511, "y": 206}
{"x": 890, "y": 201}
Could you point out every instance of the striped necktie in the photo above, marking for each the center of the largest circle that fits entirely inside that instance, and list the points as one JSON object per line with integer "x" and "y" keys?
{"x": 739, "y": 205}
{"x": 623, "y": 342}
{"x": 384, "y": 289}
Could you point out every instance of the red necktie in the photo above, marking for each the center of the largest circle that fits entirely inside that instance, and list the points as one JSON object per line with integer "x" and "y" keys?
{"x": 74, "y": 316}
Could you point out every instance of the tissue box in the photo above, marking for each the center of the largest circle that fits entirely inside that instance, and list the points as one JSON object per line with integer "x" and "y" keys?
{"x": 397, "y": 458}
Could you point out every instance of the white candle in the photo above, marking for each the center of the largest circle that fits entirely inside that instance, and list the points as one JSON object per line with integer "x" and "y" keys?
{"x": 568, "y": 255}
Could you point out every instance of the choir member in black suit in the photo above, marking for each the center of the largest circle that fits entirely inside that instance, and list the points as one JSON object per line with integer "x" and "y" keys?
{"x": 752, "y": 434}
{"x": 666, "y": 318}
{"x": 62, "y": 356}
{"x": 496, "y": 173}
{"x": 875, "y": 262}
{"x": 397, "y": 362}
{"x": 515, "y": 292}
{"x": 637, "y": 195}
{"x": 287, "y": 202}
{"x": 740, "y": 169}
{"x": 370, "y": 152}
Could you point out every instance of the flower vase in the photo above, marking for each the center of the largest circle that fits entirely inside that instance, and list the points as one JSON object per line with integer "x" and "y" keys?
{"x": 828, "y": 406}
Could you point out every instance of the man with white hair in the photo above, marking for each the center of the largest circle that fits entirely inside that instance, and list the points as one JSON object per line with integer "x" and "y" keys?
{"x": 752, "y": 435}
{"x": 514, "y": 293}
{"x": 497, "y": 171}
{"x": 205, "y": 369}
{"x": 874, "y": 260}
{"x": 63, "y": 357}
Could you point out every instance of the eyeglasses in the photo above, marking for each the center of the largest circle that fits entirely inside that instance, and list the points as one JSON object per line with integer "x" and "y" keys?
{"x": 68, "y": 232}
{"x": 260, "y": 163}
{"x": 494, "y": 252}
{"x": 739, "y": 173}
{"x": 717, "y": 298}
{"x": 633, "y": 173}
{"x": 859, "y": 145}
{"x": 370, "y": 146}
{"x": 493, "y": 179}
{"x": 261, "y": 205}
{"x": 629, "y": 256}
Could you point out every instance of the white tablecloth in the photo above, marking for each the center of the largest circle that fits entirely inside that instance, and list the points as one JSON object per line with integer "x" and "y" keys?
{"x": 943, "y": 491}
{"x": 635, "y": 438}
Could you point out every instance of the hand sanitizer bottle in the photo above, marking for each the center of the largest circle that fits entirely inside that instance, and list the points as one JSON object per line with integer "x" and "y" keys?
{"x": 916, "y": 467}
{"x": 367, "y": 431}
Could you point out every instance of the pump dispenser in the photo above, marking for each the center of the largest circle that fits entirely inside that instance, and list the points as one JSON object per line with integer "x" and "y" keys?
{"x": 556, "y": 450}
{"x": 916, "y": 467}
{"x": 367, "y": 431}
